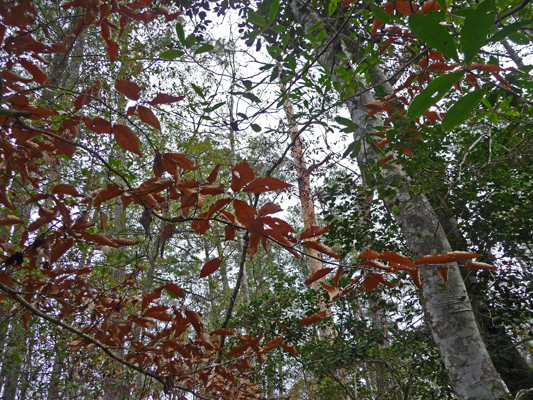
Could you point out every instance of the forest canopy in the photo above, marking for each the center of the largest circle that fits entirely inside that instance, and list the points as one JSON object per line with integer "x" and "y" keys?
{"x": 272, "y": 200}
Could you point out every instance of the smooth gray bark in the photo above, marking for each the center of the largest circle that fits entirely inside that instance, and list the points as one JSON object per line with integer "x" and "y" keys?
{"x": 447, "y": 311}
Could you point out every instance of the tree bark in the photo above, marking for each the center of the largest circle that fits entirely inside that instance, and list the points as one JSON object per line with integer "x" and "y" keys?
{"x": 447, "y": 312}
{"x": 308, "y": 209}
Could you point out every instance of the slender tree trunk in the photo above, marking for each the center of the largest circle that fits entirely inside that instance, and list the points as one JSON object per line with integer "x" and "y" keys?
{"x": 308, "y": 209}
{"x": 447, "y": 312}
{"x": 245, "y": 292}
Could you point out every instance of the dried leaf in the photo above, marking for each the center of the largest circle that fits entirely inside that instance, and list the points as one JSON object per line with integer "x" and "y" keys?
{"x": 211, "y": 266}
{"x": 333, "y": 292}
{"x": 266, "y": 184}
{"x": 174, "y": 289}
{"x": 224, "y": 332}
{"x": 244, "y": 213}
{"x": 163, "y": 98}
{"x": 377, "y": 264}
{"x": 127, "y": 139}
{"x": 317, "y": 275}
{"x": 11, "y": 220}
{"x": 337, "y": 276}
{"x": 443, "y": 272}
{"x": 479, "y": 265}
{"x": 310, "y": 319}
{"x": 314, "y": 231}
{"x": 369, "y": 254}
{"x": 148, "y": 117}
{"x": 444, "y": 258}
{"x": 322, "y": 248}
{"x": 417, "y": 279}
{"x": 213, "y": 175}
{"x": 60, "y": 247}
{"x": 129, "y": 89}
{"x": 241, "y": 174}
{"x": 269, "y": 208}
{"x": 289, "y": 347}
{"x": 396, "y": 257}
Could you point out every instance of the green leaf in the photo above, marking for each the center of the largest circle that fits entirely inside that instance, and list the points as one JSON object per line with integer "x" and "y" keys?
{"x": 171, "y": 54}
{"x": 433, "y": 93}
{"x": 332, "y": 7}
{"x": 509, "y": 29}
{"x": 257, "y": 19}
{"x": 442, "y": 4}
{"x": 463, "y": 109}
{"x": 256, "y": 128}
{"x": 204, "y": 48}
{"x": 278, "y": 28}
{"x": 381, "y": 14}
{"x": 321, "y": 35}
{"x": 273, "y": 11}
{"x": 519, "y": 38}
{"x": 428, "y": 29}
{"x": 316, "y": 26}
{"x": 190, "y": 41}
{"x": 181, "y": 34}
{"x": 476, "y": 28}
{"x": 197, "y": 90}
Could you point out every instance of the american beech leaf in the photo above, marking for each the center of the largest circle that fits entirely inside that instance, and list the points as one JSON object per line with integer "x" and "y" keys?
{"x": 211, "y": 266}
{"x": 317, "y": 275}
{"x": 443, "y": 272}
{"x": 213, "y": 175}
{"x": 174, "y": 289}
{"x": 163, "y": 98}
{"x": 148, "y": 117}
{"x": 244, "y": 213}
{"x": 314, "y": 231}
{"x": 128, "y": 88}
{"x": 241, "y": 174}
{"x": 322, "y": 248}
{"x": 311, "y": 319}
{"x": 269, "y": 208}
{"x": 11, "y": 220}
{"x": 396, "y": 257}
{"x": 479, "y": 265}
{"x": 127, "y": 139}
{"x": 444, "y": 258}
{"x": 265, "y": 184}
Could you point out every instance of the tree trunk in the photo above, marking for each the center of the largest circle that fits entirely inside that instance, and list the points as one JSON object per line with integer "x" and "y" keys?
{"x": 308, "y": 209}
{"x": 447, "y": 312}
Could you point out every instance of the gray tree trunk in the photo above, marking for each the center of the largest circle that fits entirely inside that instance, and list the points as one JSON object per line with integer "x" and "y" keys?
{"x": 447, "y": 312}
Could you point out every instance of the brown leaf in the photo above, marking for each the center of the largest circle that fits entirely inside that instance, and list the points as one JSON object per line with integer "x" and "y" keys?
{"x": 211, "y": 266}
{"x": 120, "y": 241}
{"x": 333, "y": 292}
{"x": 224, "y": 332}
{"x": 396, "y": 257}
{"x": 314, "y": 231}
{"x": 38, "y": 74}
{"x": 172, "y": 160}
{"x": 148, "y": 117}
{"x": 112, "y": 50}
{"x": 196, "y": 321}
{"x": 213, "y": 175}
{"x": 11, "y": 220}
{"x": 377, "y": 264}
{"x": 369, "y": 254}
{"x": 110, "y": 192}
{"x": 289, "y": 347}
{"x": 310, "y": 319}
{"x": 317, "y": 275}
{"x": 66, "y": 189}
{"x": 373, "y": 280}
{"x": 245, "y": 214}
{"x": 269, "y": 208}
{"x": 61, "y": 246}
{"x": 129, "y": 89}
{"x": 174, "y": 289}
{"x": 444, "y": 258}
{"x": 127, "y": 139}
{"x": 241, "y": 174}
{"x": 265, "y": 184}
{"x": 256, "y": 227}
{"x": 417, "y": 279}
{"x": 272, "y": 343}
{"x": 163, "y": 98}
{"x": 443, "y": 272}
{"x": 322, "y": 248}
{"x": 479, "y": 265}
{"x": 229, "y": 232}
{"x": 213, "y": 190}
{"x": 337, "y": 276}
